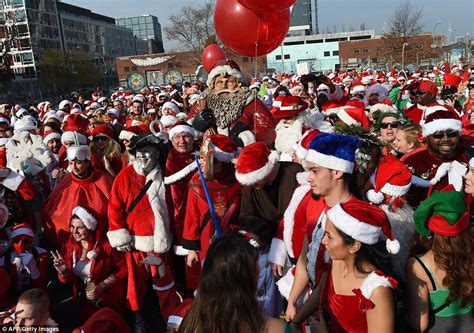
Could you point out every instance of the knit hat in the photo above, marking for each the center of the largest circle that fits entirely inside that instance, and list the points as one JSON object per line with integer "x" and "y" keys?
{"x": 87, "y": 218}
{"x": 445, "y": 213}
{"x": 171, "y": 106}
{"x": 50, "y": 135}
{"x": 255, "y": 162}
{"x": 334, "y": 151}
{"x": 181, "y": 127}
{"x": 80, "y": 152}
{"x": 224, "y": 148}
{"x": 19, "y": 230}
{"x": 440, "y": 118}
{"x": 287, "y": 106}
{"x": 302, "y": 147}
{"x": 363, "y": 222}
{"x": 392, "y": 178}
{"x": 103, "y": 130}
{"x": 353, "y": 116}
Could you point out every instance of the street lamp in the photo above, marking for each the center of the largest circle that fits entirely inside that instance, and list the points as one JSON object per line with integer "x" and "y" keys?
{"x": 403, "y": 55}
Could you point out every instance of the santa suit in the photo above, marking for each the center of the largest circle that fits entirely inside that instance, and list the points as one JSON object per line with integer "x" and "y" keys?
{"x": 224, "y": 192}
{"x": 91, "y": 192}
{"x": 112, "y": 167}
{"x": 147, "y": 227}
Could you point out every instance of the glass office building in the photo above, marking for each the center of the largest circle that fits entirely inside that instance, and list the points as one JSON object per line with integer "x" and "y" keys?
{"x": 145, "y": 27}
{"x": 304, "y": 18}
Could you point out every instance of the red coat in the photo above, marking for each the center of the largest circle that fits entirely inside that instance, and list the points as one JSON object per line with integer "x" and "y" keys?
{"x": 224, "y": 193}
{"x": 108, "y": 261}
{"x": 91, "y": 193}
{"x": 148, "y": 225}
{"x": 112, "y": 167}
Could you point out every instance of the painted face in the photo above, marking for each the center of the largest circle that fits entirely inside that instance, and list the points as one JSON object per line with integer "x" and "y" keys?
{"x": 444, "y": 143}
{"x": 183, "y": 143}
{"x": 400, "y": 144}
{"x": 146, "y": 158}
{"x": 334, "y": 243}
{"x": 389, "y": 128}
{"x": 22, "y": 243}
{"x": 320, "y": 179}
{"x": 78, "y": 230}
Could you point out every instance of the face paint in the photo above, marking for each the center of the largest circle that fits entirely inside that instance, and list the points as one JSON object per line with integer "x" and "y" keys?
{"x": 147, "y": 158}
{"x": 22, "y": 244}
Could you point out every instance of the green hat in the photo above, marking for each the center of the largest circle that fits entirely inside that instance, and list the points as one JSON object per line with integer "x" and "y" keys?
{"x": 444, "y": 213}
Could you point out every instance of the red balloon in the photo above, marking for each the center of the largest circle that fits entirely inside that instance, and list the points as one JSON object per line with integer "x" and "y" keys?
{"x": 241, "y": 30}
{"x": 260, "y": 7}
{"x": 212, "y": 54}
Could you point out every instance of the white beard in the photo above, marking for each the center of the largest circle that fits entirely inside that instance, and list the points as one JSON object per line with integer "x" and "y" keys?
{"x": 287, "y": 136}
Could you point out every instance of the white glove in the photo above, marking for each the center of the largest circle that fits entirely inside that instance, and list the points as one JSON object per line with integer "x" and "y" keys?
{"x": 125, "y": 248}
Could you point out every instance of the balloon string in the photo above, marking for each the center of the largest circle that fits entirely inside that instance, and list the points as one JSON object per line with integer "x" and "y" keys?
{"x": 255, "y": 73}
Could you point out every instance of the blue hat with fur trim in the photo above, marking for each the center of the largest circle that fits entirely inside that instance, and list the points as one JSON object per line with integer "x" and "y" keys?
{"x": 334, "y": 151}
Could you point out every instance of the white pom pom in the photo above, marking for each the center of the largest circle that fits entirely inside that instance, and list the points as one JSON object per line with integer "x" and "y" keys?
{"x": 392, "y": 246}
{"x": 17, "y": 262}
{"x": 91, "y": 255}
{"x": 375, "y": 197}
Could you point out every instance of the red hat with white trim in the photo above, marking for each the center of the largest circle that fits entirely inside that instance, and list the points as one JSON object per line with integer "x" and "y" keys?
{"x": 302, "y": 147}
{"x": 287, "y": 106}
{"x": 330, "y": 108}
{"x": 129, "y": 132}
{"x": 85, "y": 216}
{"x": 168, "y": 121}
{"x": 451, "y": 80}
{"x": 224, "y": 148}
{"x": 50, "y": 135}
{"x": 103, "y": 130}
{"x": 255, "y": 162}
{"x": 392, "y": 178}
{"x": 104, "y": 320}
{"x": 181, "y": 127}
{"x": 353, "y": 116}
{"x": 21, "y": 229}
{"x": 171, "y": 106}
{"x": 363, "y": 222}
{"x": 440, "y": 118}
{"x": 223, "y": 68}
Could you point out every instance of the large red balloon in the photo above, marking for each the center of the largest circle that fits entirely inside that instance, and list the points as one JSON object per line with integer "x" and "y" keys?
{"x": 212, "y": 54}
{"x": 240, "y": 29}
{"x": 260, "y": 7}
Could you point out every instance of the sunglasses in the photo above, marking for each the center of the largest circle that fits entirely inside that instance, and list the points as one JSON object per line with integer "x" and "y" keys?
{"x": 100, "y": 138}
{"x": 393, "y": 124}
{"x": 439, "y": 136}
{"x": 21, "y": 240}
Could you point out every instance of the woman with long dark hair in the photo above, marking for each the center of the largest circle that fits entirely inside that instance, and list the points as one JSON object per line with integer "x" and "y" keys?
{"x": 439, "y": 277}
{"x": 227, "y": 300}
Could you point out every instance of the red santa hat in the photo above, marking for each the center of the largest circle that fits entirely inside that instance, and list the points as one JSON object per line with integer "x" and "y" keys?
{"x": 428, "y": 86}
{"x": 255, "y": 162}
{"x": 171, "y": 106}
{"x": 287, "y": 106}
{"x": 75, "y": 129}
{"x": 64, "y": 103}
{"x": 330, "y": 108}
{"x": 224, "y": 148}
{"x": 95, "y": 96}
{"x": 114, "y": 113}
{"x": 80, "y": 152}
{"x": 138, "y": 98}
{"x": 440, "y": 118}
{"x": 353, "y": 116}
{"x": 358, "y": 87}
{"x": 181, "y": 127}
{"x": 105, "y": 320}
{"x": 363, "y": 222}
{"x": 385, "y": 107}
{"x": 302, "y": 147}
{"x": 392, "y": 178}
{"x": 168, "y": 121}
{"x": 103, "y": 130}
{"x": 21, "y": 229}
{"x": 452, "y": 80}
{"x": 347, "y": 78}
{"x": 87, "y": 218}
{"x": 181, "y": 310}
{"x": 223, "y": 68}
{"x": 129, "y": 132}
{"x": 50, "y": 135}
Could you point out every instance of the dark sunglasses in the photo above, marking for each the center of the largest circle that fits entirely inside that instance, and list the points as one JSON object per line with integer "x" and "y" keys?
{"x": 393, "y": 124}
{"x": 439, "y": 136}
{"x": 21, "y": 240}
{"x": 100, "y": 138}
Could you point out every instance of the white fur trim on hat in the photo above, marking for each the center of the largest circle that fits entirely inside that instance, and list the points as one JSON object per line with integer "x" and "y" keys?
{"x": 358, "y": 89}
{"x": 51, "y": 136}
{"x": 126, "y": 135}
{"x": 182, "y": 129}
{"x": 344, "y": 116}
{"x": 168, "y": 120}
{"x": 330, "y": 162}
{"x": 395, "y": 190}
{"x": 172, "y": 106}
{"x": 21, "y": 231}
{"x": 441, "y": 125}
{"x": 247, "y": 138}
{"x": 359, "y": 230}
{"x": 222, "y": 70}
{"x": 248, "y": 179}
{"x": 89, "y": 221}
{"x": 75, "y": 137}
{"x": 223, "y": 156}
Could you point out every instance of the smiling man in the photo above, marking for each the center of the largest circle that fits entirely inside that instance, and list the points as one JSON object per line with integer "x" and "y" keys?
{"x": 443, "y": 160}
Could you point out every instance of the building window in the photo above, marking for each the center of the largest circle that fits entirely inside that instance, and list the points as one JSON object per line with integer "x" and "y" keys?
{"x": 335, "y": 53}
{"x": 134, "y": 68}
{"x": 170, "y": 65}
{"x": 356, "y": 51}
{"x": 365, "y": 50}
{"x": 327, "y": 53}
{"x": 287, "y": 56}
{"x": 126, "y": 69}
{"x": 278, "y": 57}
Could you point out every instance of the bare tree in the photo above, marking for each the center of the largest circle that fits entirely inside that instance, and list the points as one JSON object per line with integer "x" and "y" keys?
{"x": 193, "y": 27}
{"x": 364, "y": 26}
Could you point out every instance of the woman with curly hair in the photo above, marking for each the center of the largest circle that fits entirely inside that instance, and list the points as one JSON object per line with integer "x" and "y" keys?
{"x": 407, "y": 139}
{"x": 440, "y": 287}
{"x": 105, "y": 150}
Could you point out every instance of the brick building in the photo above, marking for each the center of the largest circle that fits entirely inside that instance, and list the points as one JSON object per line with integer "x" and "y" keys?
{"x": 380, "y": 52}
{"x": 156, "y": 69}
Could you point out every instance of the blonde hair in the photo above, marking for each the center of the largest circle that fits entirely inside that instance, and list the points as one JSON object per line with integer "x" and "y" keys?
{"x": 412, "y": 134}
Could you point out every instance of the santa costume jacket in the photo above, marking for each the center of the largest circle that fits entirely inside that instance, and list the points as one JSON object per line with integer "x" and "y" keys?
{"x": 91, "y": 192}
{"x": 224, "y": 192}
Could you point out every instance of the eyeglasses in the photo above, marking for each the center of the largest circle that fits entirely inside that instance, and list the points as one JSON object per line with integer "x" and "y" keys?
{"x": 393, "y": 124}
{"x": 439, "y": 136}
{"x": 100, "y": 138}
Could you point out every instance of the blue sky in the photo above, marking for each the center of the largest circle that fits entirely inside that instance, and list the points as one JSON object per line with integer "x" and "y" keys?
{"x": 331, "y": 12}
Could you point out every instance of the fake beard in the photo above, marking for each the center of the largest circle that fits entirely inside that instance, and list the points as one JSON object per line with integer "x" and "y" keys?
{"x": 287, "y": 136}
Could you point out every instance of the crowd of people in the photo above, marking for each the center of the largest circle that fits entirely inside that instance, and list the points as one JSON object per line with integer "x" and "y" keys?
{"x": 285, "y": 203}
